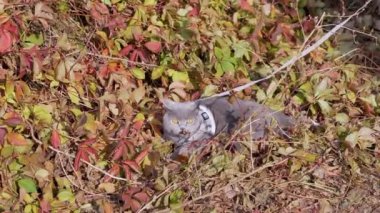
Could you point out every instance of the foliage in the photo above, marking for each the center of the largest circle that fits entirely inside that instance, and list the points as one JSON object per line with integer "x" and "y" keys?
{"x": 80, "y": 84}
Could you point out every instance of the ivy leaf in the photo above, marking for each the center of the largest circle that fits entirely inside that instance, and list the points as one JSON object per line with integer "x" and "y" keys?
{"x": 241, "y": 49}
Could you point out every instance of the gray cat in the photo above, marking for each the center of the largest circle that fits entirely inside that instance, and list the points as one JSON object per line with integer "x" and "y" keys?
{"x": 203, "y": 119}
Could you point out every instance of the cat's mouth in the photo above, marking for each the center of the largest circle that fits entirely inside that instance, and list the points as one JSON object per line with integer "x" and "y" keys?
{"x": 184, "y": 132}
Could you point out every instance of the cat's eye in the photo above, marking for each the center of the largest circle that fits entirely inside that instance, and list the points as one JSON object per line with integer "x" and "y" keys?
{"x": 190, "y": 121}
{"x": 174, "y": 121}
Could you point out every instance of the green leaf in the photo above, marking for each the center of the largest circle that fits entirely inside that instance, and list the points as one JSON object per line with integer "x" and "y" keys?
{"x": 241, "y": 49}
{"x": 179, "y": 76}
{"x": 73, "y": 95}
{"x": 138, "y": 73}
{"x": 227, "y": 66}
{"x": 65, "y": 195}
{"x": 219, "y": 69}
{"x": 33, "y": 40}
{"x": 42, "y": 113}
{"x": 157, "y": 72}
{"x": 28, "y": 184}
{"x": 218, "y": 53}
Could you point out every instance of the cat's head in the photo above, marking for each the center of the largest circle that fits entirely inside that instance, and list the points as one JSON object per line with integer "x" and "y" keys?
{"x": 181, "y": 119}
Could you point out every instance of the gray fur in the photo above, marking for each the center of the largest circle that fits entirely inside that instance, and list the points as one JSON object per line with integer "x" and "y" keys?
{"x": 228, "y": 116}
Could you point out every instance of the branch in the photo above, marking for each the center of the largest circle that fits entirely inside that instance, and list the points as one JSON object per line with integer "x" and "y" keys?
{"x": 295, "y": 58}
{"x": 125, "y": 61}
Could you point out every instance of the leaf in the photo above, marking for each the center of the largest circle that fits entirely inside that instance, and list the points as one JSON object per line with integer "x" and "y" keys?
{"x": 28, "y": 184}
{"x": 218, "y": 53}
{"x": 325, "y": 107}
{"x": 138, "y": 73}
{"x": 65, "y": 195}
{"x": 157, "y": 72}
{"x": 5, "y": 41}
{"x": 16, "y": 139}
{"x": 33, "y": 40}
{"x": 3, "y": 132}
{"x": 142, "y": 155}
{"x": 227, "y": 66}
{"x": 153, "y": 46}
{"x": 321, "y": 87}
{"x": 342, "y": 118}
{"x": 138, "y": 94}
{"x": 179, "y": 76}
{"x": 73, "y": 95}
{"x": 303, "y": 155}
{"x": 42, "y": 113}
{"x": 107, "y": 187}
{"x": 241, "y": 48}
{"x": 41, "y": 174}
{"x": 209, "y": 90}
{"x": 55, "y": 140}
{"x": 352, "y": 139}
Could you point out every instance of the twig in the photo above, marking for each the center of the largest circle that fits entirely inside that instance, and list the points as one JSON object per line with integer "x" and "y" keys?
{"x": 295, "y": 58}
{"x": 72, "y": 156}
{"x": 123, "y": 60}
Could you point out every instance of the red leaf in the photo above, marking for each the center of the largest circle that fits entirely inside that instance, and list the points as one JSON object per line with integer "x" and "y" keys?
{"x": 3, "y": 132}
{"x": 244, "y": 5}
{"x": 133, "y": 165}
{"x": 78, "y": 157}
{"x": 55, "y": 139}
{"x": 153, "y": 46}
{"x": 135, "y": 205}
{"x": 141, "y": 196}
{"x": 118, "y": 151}
{"x": 143, "y": 56}
{"x": 115, "y": 170}
{"x": 142, "y": 155}
{"x": 127, "y": 172}
{"x": 194, "y": 12}
{"x": 126, "y": 50}
{"x": 89, "y": 141}
{"x": 137, "y": 125}
{"x": 133, "y": 56}
{"x": 45, "y": 206}
{"x": 90, "y": 150}
{"x": 5, "y": 41}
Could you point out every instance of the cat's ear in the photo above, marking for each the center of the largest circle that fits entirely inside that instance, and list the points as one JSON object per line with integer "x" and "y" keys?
{"x": 169, "y": 104}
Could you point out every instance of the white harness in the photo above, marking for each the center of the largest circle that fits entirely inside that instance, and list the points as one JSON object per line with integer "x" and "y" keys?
{"x": 208, "y": 124}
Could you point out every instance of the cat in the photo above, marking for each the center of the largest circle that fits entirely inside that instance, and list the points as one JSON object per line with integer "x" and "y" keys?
{"x": 203, "y": 119}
